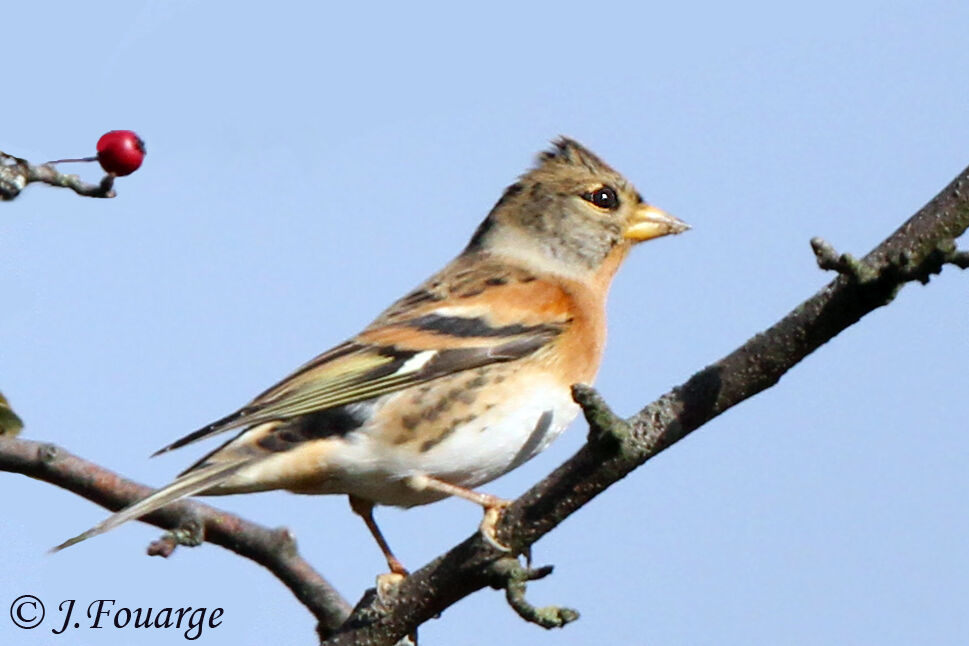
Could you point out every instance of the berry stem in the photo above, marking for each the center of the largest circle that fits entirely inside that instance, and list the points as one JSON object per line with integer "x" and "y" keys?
{"x": 66, "y": 161}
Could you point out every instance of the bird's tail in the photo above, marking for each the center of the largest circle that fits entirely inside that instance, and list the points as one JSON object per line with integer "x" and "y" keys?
{"x": 193, "y": 482}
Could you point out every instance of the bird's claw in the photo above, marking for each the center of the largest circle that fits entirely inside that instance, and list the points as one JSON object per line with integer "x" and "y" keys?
{"x": 489, "y": 525}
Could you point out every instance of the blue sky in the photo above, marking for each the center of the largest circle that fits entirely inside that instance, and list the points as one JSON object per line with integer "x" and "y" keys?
{"x": 308, "y": 164}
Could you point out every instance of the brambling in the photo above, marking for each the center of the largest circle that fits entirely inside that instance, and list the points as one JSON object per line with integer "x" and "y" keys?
{"x": 458, "y": 382}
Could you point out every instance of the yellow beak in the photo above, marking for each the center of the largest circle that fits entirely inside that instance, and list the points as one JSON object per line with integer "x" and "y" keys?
{"x": 648, "y": 222}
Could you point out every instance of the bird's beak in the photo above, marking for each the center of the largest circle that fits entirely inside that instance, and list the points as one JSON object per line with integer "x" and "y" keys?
{"x": 648, "y": 222}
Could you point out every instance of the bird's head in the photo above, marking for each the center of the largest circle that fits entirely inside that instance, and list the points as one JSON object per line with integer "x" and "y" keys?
{"x": 570, "y": 214}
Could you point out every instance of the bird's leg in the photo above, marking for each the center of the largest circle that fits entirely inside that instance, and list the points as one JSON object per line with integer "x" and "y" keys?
{"x": 492, "y": 505}
{"x": 364, "y": 509}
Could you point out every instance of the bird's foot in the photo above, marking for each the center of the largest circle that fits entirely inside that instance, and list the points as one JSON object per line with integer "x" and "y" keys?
{"x": 493, "y": 505}
{"x": 489, "y": 524}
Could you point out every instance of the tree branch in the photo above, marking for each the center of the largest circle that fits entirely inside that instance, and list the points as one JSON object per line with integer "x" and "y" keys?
{"x": 16, "y": 173}
{"x": 918, "y": 249}
{"x": 190, "y": 522}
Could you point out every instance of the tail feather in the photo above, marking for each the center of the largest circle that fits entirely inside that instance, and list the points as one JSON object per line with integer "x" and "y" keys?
{"x": 234, "y": 420}
{"x": 188, "y": 484}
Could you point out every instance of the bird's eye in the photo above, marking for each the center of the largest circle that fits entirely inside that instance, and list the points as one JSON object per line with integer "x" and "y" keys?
{"x": 604, "y": 197}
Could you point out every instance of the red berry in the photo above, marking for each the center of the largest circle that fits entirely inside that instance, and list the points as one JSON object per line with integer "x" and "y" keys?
{"x": 121, "y": 152}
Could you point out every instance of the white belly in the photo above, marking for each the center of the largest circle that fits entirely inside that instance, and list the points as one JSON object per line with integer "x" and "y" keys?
{"x": 476, "y": 452}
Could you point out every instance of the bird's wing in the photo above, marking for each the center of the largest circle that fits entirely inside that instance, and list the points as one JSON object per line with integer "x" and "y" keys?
{"x": 424, "y": 336}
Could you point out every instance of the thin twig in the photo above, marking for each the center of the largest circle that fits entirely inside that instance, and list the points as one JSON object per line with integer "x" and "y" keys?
{"x": 16, "y": 173}
{"x": 513, "y": 577}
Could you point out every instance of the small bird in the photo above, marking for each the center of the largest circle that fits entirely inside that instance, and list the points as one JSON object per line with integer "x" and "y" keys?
{"x": 460, "y": 381}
